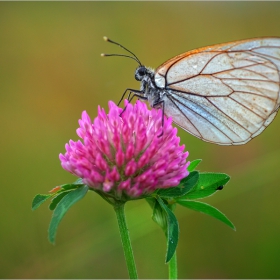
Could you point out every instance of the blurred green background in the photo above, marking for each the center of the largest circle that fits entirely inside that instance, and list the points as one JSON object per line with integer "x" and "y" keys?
{"x": 51, "y": 70}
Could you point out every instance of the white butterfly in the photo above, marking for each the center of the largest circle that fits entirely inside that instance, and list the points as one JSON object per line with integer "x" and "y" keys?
{"x": 225, "y": 94}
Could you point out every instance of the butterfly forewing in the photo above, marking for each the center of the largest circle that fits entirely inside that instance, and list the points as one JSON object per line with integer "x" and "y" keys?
{"x": 225, "y": 94}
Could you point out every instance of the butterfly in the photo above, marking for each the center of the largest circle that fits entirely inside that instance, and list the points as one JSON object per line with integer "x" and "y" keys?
{"x": 225, "y": 94}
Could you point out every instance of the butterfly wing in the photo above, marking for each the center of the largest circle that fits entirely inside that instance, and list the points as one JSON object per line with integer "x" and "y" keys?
{"x": 225, "y": 94}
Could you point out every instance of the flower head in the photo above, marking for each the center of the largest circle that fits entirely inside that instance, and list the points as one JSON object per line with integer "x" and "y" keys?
{"x": 122, "y": 155}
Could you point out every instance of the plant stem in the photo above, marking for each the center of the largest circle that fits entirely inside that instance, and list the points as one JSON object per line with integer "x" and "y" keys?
{"x": 129, "y": 258}
{"x": 173, "y": 267}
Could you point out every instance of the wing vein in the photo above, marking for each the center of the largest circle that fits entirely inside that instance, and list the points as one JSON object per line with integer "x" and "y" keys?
{"x": 233, "y": 120}
{"x": 265, "y": 55}
{"x": 208, "y": 113}
{"x": 170, "y": 98}
{"x": 247, "y": 108}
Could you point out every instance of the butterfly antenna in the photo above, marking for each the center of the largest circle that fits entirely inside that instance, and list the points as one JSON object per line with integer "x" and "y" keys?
{"x": 134, "y": 57}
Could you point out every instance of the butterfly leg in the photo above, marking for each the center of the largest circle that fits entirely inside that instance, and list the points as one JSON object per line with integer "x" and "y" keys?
{"x": 140, "y": 96}
{"x": 130, "y": 90}
{"x": 136, "y": 93}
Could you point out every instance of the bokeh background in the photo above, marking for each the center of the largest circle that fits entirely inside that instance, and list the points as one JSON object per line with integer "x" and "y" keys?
{"x": 51, "y": 70}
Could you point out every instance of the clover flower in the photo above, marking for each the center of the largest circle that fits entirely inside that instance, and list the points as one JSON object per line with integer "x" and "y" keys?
{"x": 122, "y": 154}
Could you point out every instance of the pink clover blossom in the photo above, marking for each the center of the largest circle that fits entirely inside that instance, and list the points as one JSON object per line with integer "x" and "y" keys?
{"x": 122, "y": 155}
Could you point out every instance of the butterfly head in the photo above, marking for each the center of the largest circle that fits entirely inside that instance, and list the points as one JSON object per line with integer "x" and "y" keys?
{"x": 141, "y": 72}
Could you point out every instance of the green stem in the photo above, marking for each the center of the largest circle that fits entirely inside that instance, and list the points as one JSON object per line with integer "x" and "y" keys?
{"x": 173, "y": 267}
{"x": 129, "y": 258}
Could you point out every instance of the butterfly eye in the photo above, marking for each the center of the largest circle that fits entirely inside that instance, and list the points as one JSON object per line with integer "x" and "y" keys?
{"x": 140, "y": 73}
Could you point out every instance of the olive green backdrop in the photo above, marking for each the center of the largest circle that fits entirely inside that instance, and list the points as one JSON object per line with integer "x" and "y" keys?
{"x": 51, "y": 70}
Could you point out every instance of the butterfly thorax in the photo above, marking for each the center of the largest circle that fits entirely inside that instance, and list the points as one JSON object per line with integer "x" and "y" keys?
{"x": 147, "y": 85}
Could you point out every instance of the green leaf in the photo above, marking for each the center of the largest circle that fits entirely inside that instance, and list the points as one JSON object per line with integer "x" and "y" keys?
{"x": 67, "y": 187}
{"x": 194, "y": 164}
{"x": 39, "y": 199}
{"x": 75, "y": 185}
{"x": 62, "y": 207}
{"x": 159, "y": 216}
{"x": 151, "y": 201}
{"x": 56, "y": 200}
{"x": 206, "y": 209}
{"x": 184, "y": 187}
{"x": 172, "y": 231}
{"x": 208, "y": 184}
{"x": 78, "y": 182}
